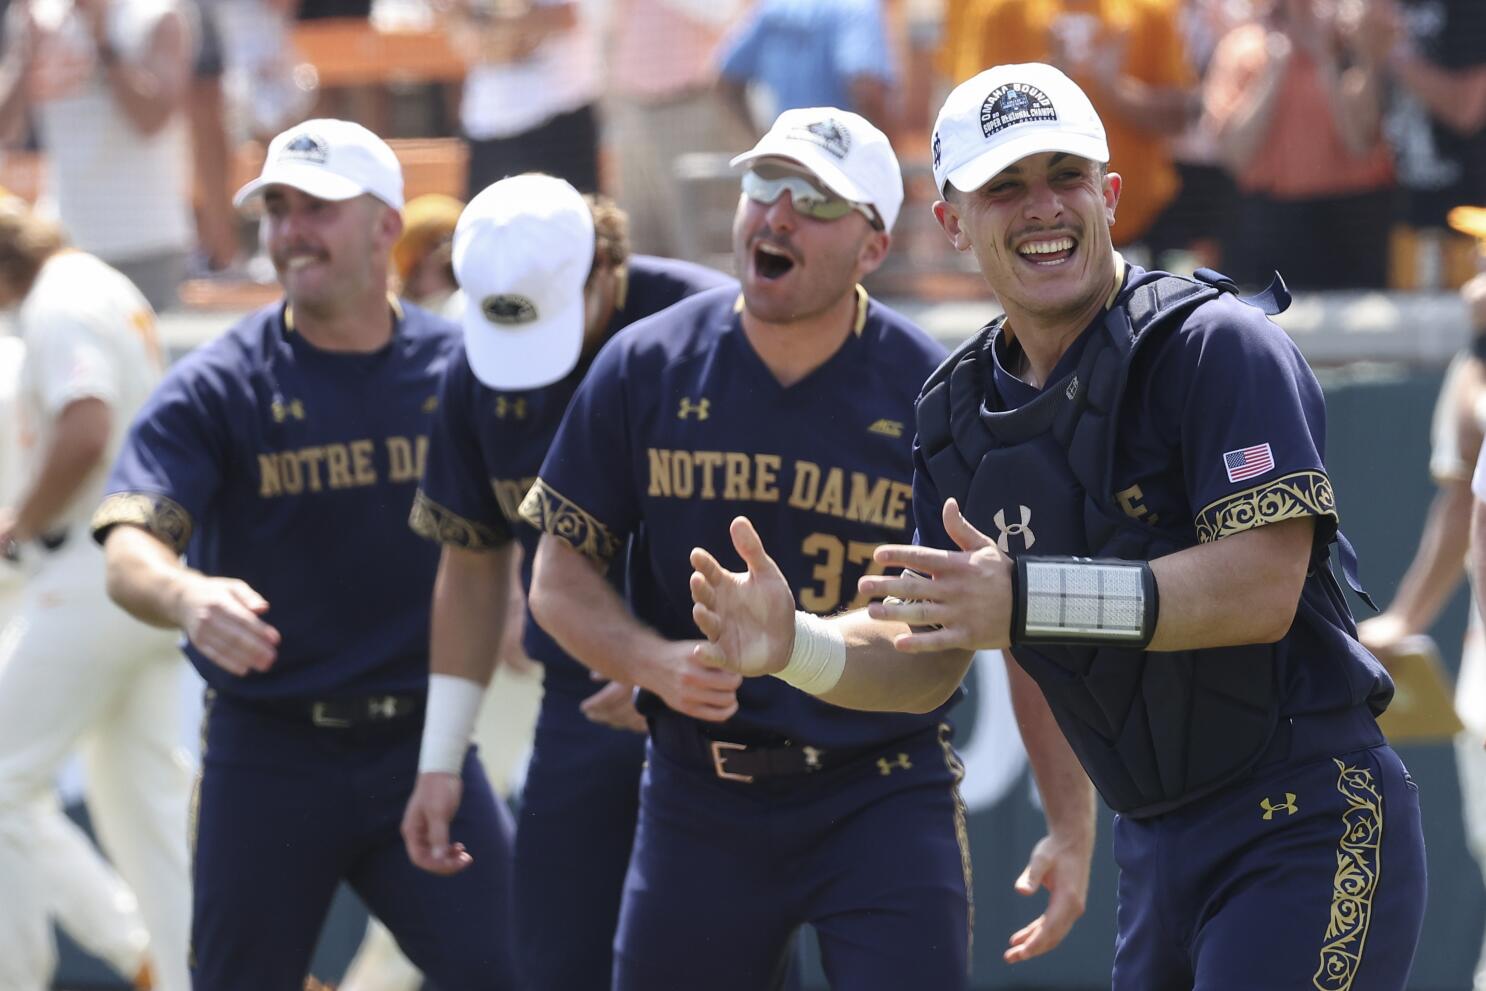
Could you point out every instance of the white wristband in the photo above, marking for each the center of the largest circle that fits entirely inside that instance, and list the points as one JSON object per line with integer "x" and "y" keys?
{"x": 448, "y": 722}
{"x": 819, "y": 656}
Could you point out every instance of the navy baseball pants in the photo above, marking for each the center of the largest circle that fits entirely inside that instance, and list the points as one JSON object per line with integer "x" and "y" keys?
{"x": 574, "y": 830}
{"x": 1310, "y": 874}
{"x": 286, "y": 810}
{"x": 870, "y": 853}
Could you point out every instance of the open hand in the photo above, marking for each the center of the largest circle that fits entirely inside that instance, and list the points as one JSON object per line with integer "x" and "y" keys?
{"x": 963, "y": 597}
{"x": 1063, "y": 869}
{"x": 220, "y": 616}
{"x": 748, "y": 617}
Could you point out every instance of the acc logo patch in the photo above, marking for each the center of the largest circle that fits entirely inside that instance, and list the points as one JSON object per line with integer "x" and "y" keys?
{"x": 306, "y": 147}
{"x": 1012, "y": 104}
{"x": 508, "y": 309}
{"x": 827, "y": 133}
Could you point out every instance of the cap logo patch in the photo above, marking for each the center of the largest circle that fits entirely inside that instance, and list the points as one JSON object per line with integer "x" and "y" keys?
{"x": 828, "y": 134}
{"x": 508, "y": 309}
{"x": 307, "y": 148}
{"x": 936, "y": 149}
{"x": 1012, "y": 104}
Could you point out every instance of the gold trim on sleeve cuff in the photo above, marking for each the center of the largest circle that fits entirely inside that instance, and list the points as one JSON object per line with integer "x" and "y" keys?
{"x": 551, "y": 512}
{"x": 444, "y": 526}
{"x": 1303, "y": 493}
{"x": 162, "y": 517}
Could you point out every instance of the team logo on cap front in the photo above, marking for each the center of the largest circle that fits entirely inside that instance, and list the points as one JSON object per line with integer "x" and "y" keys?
{"x": 937, "y": 154}
{"x": 1012, "y": 104}
{"x": 827, "y": 133}
{"x": 508, "y": 309}
{"x": 307, "y": 148}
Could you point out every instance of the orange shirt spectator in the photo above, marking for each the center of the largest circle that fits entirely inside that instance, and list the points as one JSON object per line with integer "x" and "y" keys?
{"x": 1303, "y": 154}
{"x": 1126, "y": 54}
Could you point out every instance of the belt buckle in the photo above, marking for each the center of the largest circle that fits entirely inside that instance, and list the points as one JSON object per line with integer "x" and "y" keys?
{"x": 719, "y": 761}
{"x": 320, "y": 716}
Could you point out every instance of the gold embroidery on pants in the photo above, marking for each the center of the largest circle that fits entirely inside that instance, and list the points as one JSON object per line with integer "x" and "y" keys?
{"x": 962, "y": 835}
{"x": 1358, "y": 865}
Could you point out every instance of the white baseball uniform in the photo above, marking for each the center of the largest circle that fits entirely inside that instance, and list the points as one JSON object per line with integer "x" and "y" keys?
{"x": 75, "y": 670}
{"x": 1450, "y": 460}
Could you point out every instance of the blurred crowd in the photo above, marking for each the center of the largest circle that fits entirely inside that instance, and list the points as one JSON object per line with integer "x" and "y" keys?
{"x": 1326, "y": 139}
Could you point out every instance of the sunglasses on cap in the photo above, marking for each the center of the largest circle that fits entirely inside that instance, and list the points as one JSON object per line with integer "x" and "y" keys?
{"x": 806, "y": 197}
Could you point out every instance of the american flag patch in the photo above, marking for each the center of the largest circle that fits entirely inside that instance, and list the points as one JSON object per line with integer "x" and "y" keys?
{"x": 1248, "y": 462}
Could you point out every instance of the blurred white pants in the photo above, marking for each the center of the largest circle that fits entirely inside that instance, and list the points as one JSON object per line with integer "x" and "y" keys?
{"x": 77, "y": 672}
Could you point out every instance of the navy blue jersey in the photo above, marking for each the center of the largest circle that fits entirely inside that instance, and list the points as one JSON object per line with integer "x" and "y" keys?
{"x": 1223, "y": 429}
{"x": 264, "y": 458}
{"x": 680, "y": 427}
{"x": 486, "y": 447}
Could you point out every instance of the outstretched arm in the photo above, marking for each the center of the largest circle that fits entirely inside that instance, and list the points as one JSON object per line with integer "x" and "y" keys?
{"x": 220, "y": 616}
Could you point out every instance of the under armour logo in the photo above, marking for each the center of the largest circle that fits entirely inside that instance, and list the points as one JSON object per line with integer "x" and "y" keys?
{"x": 282, "y": 411}
{"x": 1022, "y": 529}
{"x": 887, "y": 428}
{"x": 886, "y": 767}
{"x": 513, "y": 408}
{"x": 385, "y": 707}
{"x": 1289, "y": 807}
{"x": 812, "y": 758}
{"x": 702, "y": 408}
{"x": 430, "y": 404}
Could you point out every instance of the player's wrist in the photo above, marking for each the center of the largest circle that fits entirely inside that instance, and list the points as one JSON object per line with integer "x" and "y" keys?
{"x": 818, "y": 658}
{"x": 448, "y": 723}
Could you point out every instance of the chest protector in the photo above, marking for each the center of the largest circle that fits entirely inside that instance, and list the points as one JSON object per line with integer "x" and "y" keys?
{"x": 1154, "y": 730}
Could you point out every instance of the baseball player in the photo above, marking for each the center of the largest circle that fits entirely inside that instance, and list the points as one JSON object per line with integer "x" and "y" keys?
{"x": 75, "y": 671}
{"x": 1122, "y": 482}
{"x": 761, "y": 808}
{"x": 281, "y": 460}
{"x": 547, "y": 277}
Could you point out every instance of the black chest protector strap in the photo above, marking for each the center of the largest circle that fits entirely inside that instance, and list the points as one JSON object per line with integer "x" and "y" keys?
{"x": 1154, "y": 730}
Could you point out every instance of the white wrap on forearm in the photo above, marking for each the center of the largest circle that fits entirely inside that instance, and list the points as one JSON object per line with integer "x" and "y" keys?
{"x": 448, "y": 722}
{"x": 818, "y": 658}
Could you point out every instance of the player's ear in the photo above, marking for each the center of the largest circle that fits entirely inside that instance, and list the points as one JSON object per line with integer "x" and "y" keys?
{"x": 873, "y": 252}
{"x": 948, "y": 216}
{"x": 387, "y": 224}
{"x": 1112, "y": 185}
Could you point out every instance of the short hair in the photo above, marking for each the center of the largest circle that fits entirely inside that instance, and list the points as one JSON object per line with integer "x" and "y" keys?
{"x": 611, "y": 246}
{"x": 26, "y": 242}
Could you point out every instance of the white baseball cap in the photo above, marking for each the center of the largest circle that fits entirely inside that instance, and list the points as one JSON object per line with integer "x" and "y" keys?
{"x": 331, "y": 160}
{"x": 523, "y": 249}
{"x": 841, "y": 149}
{"x": 1006, "y": 113}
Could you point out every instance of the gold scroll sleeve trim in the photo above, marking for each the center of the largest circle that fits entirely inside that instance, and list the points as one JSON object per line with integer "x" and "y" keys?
{"x": 551, "y": 512}
{"x": 1302, "y": 493}
{"x": 1358, "y": 866}
{"x": 442, "y": 525}
{"x": 163, "y": 517}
